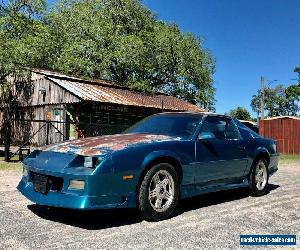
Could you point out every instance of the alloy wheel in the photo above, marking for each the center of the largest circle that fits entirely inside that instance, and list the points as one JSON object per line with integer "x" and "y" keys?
{"x": 161, "y": 191}
{"x": 261, "y": 176}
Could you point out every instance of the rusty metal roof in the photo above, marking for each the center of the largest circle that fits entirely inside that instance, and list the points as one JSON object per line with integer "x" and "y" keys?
{"x": 108, "y": 92}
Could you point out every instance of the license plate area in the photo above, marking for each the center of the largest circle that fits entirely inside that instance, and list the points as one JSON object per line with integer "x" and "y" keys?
{"x": 41, "y": 184}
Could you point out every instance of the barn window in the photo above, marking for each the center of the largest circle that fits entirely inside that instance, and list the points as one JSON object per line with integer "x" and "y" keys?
{"x": 43, "y": 94}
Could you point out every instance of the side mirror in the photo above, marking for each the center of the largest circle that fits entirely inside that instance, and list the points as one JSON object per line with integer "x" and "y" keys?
{"x": 206, "y": 136}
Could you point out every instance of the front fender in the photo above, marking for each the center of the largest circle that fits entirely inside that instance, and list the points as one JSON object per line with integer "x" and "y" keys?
{"x": 260, "y": 150}
{"x": 159, "y": 154}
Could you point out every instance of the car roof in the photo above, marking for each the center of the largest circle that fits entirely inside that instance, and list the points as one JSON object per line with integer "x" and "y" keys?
{"x": 186, "y": 113}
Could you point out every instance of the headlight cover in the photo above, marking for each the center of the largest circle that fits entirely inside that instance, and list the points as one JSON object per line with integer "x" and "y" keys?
{"x": 85, "y": 161}
{"x": 91, "y": 161}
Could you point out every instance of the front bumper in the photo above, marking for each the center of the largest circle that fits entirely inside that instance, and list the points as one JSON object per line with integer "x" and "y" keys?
{"x": 273, "y": 165}
{"x": 75, "y": 199}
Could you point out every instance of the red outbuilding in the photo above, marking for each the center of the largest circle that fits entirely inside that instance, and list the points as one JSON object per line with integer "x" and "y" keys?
{"x": 285, "y": 130}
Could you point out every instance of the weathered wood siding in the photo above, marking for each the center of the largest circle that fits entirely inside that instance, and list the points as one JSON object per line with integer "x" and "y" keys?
{"x": 31, "y": 119}
{"x": 36, "y": 98}
{"x": 40, "y": 91}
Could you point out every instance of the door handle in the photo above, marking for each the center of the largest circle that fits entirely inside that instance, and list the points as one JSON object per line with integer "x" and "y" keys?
{"x": 241, "y": 147}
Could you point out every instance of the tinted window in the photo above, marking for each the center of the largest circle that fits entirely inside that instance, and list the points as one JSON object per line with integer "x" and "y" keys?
{"x": 251, "y": 126}
{"x": 183, "y": 126}
{"x": 215, "y": 125}
{"x": 221, "y": 127}
{"x": 245, "y": 132}
{"x": 231, "y": 131}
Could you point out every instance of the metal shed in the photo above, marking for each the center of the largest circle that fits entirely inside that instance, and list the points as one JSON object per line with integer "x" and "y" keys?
{"x": 285, "y": 130}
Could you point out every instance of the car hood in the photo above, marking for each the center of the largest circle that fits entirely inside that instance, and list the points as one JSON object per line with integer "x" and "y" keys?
{"x": 102, "y": 145}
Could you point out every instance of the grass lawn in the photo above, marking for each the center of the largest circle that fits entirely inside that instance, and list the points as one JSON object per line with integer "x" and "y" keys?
{"x": 9, "y": 165}
{"x": 290, "y": 159}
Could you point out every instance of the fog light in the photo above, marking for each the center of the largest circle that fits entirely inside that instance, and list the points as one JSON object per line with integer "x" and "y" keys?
{"x": 76, "y": 184}
{"x": 25, "y": 172}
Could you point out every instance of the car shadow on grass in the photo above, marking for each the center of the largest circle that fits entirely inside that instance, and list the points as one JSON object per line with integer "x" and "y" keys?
{"x": 101, "y": 219}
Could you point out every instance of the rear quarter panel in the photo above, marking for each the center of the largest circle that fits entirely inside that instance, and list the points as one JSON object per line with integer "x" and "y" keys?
{"x": 257, "y": 146}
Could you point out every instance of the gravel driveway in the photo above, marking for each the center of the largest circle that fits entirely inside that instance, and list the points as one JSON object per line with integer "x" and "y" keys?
{"x": 213, "y": 221}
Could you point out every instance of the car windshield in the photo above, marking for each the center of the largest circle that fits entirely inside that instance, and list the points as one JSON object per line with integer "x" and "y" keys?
{"x": 183, "y": 126}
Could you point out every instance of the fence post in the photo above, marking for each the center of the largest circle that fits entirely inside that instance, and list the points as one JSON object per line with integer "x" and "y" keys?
{"x": 47, "y": 132}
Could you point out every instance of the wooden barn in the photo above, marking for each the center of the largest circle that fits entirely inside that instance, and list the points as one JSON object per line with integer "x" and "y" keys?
{"x": 285, "y": 130}
{"x": 53, "y": 107}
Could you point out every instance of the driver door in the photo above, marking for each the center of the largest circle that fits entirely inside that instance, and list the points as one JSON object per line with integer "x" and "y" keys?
{"x": 221, "y": 157}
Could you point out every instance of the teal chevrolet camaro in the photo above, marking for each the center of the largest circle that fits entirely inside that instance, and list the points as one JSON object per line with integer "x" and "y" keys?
{"x": 152, "y": 165}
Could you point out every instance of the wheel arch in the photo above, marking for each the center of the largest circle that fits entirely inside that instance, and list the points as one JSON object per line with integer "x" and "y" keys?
{"x": 261, "y": 153}
{"x": 160, "y": 157}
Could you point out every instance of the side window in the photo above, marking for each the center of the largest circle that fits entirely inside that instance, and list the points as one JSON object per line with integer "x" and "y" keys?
{"x": 221, "y": 128}
{"x": 245, "y": 132}
{"x": 231, "y": 131}
{"x": 215, "y": 125}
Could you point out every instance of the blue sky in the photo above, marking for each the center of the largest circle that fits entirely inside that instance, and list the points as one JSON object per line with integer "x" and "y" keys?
{"x": 248, "y": 39}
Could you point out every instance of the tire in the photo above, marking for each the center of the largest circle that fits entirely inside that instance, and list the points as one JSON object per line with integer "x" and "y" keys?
{"x": 158, "y": 193}
{"x": 259, "y": 178}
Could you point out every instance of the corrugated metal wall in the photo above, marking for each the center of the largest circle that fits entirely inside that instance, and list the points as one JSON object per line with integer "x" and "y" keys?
{"x": 285, "y": 131}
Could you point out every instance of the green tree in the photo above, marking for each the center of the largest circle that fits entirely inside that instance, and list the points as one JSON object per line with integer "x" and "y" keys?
{"x": 278, "y": 101}
{"x": 240, "y": 113}
{"x": 20, "y": 22}
{"x": 122, "y": 40}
